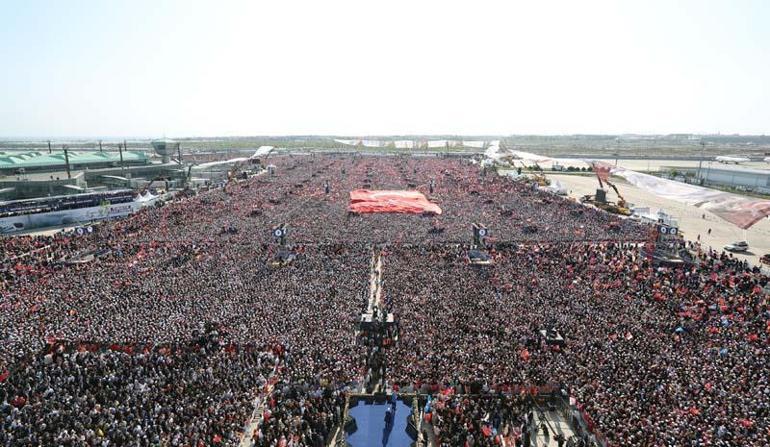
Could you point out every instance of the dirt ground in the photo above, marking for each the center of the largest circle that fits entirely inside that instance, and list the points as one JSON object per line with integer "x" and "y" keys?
{"x": 663, "y": 165}
{"x": 690, "y": 218}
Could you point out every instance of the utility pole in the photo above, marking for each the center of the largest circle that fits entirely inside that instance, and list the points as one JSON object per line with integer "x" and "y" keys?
{"x": 700, "y": 162}
{"x": 120, "y": 149}
{"x": 67, "y": 161}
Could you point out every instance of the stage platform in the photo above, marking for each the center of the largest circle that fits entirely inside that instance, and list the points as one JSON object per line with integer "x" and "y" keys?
{"x": 370, "y": 423}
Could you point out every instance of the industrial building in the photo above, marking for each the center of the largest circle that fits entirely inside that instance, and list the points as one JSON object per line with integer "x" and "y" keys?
{"x": 746, "y": 179}
{"x": 30, "y": 174}
{"x": 33, "y": 174}
{"x": 41, "y": 185}
{"x": 24, "y": 162}
{"x": 167, "y": 148}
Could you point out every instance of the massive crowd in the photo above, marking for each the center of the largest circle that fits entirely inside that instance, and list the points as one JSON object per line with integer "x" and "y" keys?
{"x": 91, "y": 394}
{"x": 300, "y": 416}
{"x": 485, "y": 421}
{"x": 652, "y": 356}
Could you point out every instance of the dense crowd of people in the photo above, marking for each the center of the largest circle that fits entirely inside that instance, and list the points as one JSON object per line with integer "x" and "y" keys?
{"x": 653, "y": 356}
{"x": 108, "y": 351}
{"x": 485, "y": 421}
{"x": 151, "y": 302}
{"x": 31, "y": 256}
{"x": 300, "y": 416}
{"x": 90, "y": 394}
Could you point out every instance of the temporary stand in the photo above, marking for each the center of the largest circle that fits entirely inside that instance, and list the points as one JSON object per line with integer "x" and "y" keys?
{"x": 552, "y": 337}
{"x": 665, "y": 251}
{"x": 285, "y": 254}
{"x": 478, "y": 254}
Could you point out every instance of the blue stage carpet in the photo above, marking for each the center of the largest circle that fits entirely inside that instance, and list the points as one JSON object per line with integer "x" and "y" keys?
{"x": 370, "y": 420}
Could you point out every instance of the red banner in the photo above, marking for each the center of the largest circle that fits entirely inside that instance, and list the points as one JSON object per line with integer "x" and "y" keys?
{"x": 363, "y": 201}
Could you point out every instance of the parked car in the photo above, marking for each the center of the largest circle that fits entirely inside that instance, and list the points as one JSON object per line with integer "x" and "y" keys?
{"x": 737, "y": 247}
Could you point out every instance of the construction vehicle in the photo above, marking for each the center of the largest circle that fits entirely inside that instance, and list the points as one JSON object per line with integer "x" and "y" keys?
{"x": 621, "y": 200}
{"x": 540, "y": 179}
{"x": 600, "y": 201}
{"x": 188, "y": 177}
{"x": 235, "y": 172}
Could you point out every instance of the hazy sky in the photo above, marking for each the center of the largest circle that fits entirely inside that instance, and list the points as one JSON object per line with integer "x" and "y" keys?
{"x": 185, "y": 68}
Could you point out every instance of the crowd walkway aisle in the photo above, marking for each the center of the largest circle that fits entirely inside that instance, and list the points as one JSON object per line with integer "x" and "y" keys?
{"x": 556, "y": 425}
{"x": 259, "y": 408}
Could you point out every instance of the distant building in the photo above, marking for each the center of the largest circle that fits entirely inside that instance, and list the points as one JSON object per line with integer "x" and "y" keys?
{"x": 166, "y": 148}
{"x": 41, "y": 185}
{"x": 24, "y": 162}
{"x": 756, "y": 180}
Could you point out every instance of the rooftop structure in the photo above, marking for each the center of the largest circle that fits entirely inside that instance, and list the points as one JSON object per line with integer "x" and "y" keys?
{"x": 15, "y": 162}
{"x": 165, "y": 148}
{"x": 40, "y": 183}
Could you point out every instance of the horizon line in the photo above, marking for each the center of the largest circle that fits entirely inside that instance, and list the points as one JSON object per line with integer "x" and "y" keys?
{"x": 364, "y": 136}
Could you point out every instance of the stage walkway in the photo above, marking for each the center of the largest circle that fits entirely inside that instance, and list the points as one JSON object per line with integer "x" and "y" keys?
{"x": 556, "y": 425}
{"x": 371, "y": 428}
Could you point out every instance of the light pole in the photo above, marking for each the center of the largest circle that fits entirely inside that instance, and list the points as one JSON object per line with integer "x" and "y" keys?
{"x": 700, "y": 162}
{"x": 67, "y": 161}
